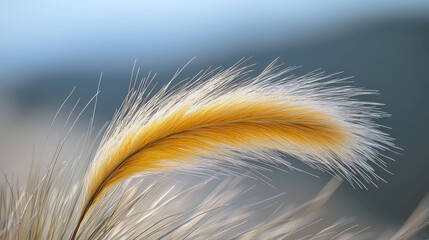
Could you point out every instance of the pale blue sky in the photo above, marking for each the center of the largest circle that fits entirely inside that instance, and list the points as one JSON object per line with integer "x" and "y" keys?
{"x": 38, "y": 35}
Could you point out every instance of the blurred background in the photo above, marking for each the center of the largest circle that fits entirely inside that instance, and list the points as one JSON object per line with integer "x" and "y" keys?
{"x": 49, "y": 47}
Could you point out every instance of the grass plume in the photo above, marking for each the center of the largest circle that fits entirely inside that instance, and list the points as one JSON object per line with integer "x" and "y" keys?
{"x": 221, "y": 119}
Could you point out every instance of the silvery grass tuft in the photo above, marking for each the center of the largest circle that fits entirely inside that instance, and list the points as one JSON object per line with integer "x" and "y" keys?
{"x": 222, "y": 122}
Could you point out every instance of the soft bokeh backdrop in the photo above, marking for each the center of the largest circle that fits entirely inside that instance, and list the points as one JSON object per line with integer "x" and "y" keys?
{"x": 49, "y": 47}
